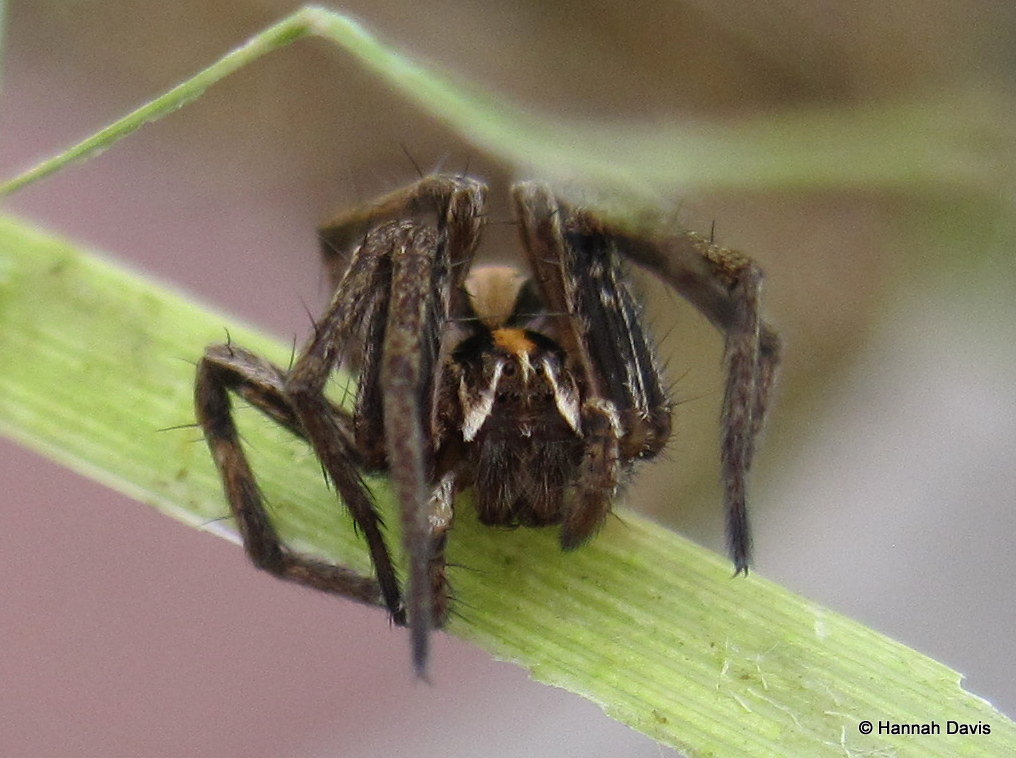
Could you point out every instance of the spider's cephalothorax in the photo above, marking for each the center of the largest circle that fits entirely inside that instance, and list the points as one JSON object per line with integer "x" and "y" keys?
{"x": 538, "y": 393}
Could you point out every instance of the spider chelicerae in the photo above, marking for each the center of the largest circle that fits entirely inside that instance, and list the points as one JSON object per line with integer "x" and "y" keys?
{"x": 540, "y": 393}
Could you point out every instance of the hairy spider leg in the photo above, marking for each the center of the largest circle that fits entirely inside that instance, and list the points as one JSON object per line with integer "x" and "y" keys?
{"x": 228, "y": 368}
{"x": 725, "y": 286}
{"x": 402, "y": 279}
{"x": 419, "y": 263}
{"x": 625, "y": 412}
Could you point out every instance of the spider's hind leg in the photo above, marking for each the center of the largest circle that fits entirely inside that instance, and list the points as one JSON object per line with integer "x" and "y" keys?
{"x": 228, "y": 368}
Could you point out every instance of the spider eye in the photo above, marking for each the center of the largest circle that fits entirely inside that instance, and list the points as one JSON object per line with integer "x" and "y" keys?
{"x": 508, "y": 370}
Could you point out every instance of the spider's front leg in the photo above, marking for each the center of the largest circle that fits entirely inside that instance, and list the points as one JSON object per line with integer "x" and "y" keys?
{"x": 625, "y": 411}
{"x": 574, "y": 254}
{"x": 726, "y": 286}
{"x": 408, "y": 256}
{"x": 403, "y": 283}
{"x": 228, "y": 368}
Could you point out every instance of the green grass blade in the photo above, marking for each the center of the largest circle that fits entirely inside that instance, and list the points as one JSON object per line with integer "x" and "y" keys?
{"x": 96, "y": 360}
{"x": 946, "y": 139}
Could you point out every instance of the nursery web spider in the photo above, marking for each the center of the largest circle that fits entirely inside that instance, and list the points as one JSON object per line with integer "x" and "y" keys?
{"x": 540, "y": 393}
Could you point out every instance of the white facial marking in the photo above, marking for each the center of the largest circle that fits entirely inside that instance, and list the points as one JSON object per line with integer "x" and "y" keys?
{"x": 476, "y": 412}
{"x": 564, "y": 398}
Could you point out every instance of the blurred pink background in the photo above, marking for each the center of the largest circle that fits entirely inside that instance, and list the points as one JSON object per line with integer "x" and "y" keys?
{"x": 884, "y": 490}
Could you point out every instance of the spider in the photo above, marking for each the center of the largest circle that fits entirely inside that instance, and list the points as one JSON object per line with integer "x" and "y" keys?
{"x": 540, "y": 393}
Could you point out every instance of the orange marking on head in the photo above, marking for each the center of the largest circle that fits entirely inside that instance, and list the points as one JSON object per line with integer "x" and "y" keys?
{"x": 513, "y": 341}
